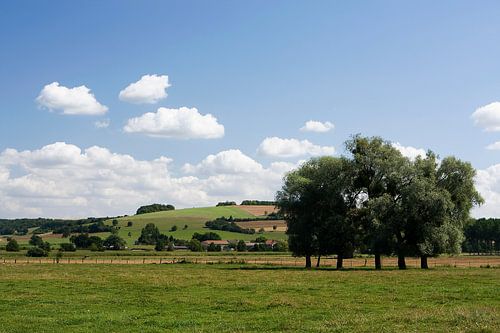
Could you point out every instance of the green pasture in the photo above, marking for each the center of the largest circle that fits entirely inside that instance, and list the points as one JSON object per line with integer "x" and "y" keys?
{"x": 230, "y": 298}
{"x": 194, "y": 218}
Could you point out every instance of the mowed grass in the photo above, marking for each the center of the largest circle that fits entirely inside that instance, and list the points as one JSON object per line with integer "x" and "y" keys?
{"x": 194, "y": 218}
{"x": 223, "y": 298}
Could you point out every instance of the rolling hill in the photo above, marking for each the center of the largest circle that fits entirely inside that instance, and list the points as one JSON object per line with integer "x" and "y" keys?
{"x": 194, "y": 219}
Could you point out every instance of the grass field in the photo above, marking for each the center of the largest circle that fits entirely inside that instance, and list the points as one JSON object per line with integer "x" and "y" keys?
{"x": 227, "y": 298}
{"x": 194, "y": 218}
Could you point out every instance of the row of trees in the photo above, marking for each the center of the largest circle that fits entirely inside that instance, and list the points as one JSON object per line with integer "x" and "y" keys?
{"x": 482, "y": 236}
{"x": 154, "y": 208}
{"x": 375, "y": 200}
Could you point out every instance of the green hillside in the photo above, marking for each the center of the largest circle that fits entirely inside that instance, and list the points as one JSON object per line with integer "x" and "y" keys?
{"x": 194, "y": 218}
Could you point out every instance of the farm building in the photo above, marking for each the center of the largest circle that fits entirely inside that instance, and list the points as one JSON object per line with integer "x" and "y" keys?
{"x": 224, "y": 244}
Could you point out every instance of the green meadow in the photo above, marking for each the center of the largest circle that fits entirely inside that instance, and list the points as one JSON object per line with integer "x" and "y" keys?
{"x": 194, "y": 218}
{"x": 230, "y": 298}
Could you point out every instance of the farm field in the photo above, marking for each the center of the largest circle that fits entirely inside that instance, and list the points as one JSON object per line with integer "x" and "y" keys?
{"x": 231, "y": 298}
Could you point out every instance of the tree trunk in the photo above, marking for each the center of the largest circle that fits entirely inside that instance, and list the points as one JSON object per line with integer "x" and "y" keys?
{"x": 340, "y": 261}
{"x": 308, "y": 261}
{"x": 423, "y": 262}
{"x": 319, "y": 258}
{"x": 378, "y": 261}
{"x": 401, "y": 261}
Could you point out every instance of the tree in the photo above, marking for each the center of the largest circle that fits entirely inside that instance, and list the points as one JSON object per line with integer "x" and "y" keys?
{"x": 36, "y": 240}
{"x": 115, "y": 222}
{"x": 154, "y": 208}
{"x": 380, "y": 173}
{"x": 316, "y": 200}
{"x": 114, "y": 242}
{"x": 173, "y": 228}
{"x": 280, "y": 246}
{"x": 261, "y": 239}
{"x": 440, "y": 202}
{"x": 241, "y": 246}
{"x": 149, "y": 234}
{"x": 206, "y": 236}
{"x": 161, "y": 244}
{"x": 195, "y": 245}
{"x": 67, "y": 247}
{"x": 12, "y": 246}
{"x": 130, "y": 223}
{"x": 36, "y": 252}
{"x": 214, "y": 248}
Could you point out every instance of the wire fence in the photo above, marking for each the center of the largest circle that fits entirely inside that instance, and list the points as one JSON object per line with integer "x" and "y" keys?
{"x": 459, "y": 261}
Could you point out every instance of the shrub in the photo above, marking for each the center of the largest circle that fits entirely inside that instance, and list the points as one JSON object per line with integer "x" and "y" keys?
{"x": 241, "y": 246}
{"x": 195, "y": 245}
{"x": 174, "y": 228}
{"x": 260, "y": 239}
{"x": 130, "y": 223}
{"x": 36, "y": 252}
{"x": 36, "y": 240}
{"x": 114, "y": 242}
{"x": 213, "y": 248}
{"x": 280, "y": 246}
{"x": 12, "y": 246}
{"x": 224, "y": 224}
{"x": 206, "y": 236}
{"x": 160, "y": 244}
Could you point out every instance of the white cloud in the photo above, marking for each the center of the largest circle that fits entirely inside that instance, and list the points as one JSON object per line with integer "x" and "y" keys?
{"x": 494, "y": 146}
{"x": 317, "y": 126}
{"x": 488, "y": 184}
{"x": 229, "y": 161}
{"x": 149, "y": 89}
{"x": 182, "y": 123}
{"x": 70, "y": 101}
{"x": 102, "y": 123}
{"x": 409, "y": 151}
{"x": 285, "y": 148}
{"x": 63, "y": 180}
{"x": 488, "y": 117}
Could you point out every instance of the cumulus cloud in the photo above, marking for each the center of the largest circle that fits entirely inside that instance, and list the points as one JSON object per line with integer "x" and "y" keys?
{"x": 148, "y": 90}
{"x": 285, "y": 148}
{"x": 63, "y": 180}
{"x": 409, "y": 151}
{"x": 182, "y": 123}
{"x": 494, "y": 146}
{"x": 317, "y": 126}
{"x": 70, "y": 101}
{"x": 102, "y": 123}
{"x": 229, "y": 161}
{"x": 488, "y": 184}
{"x": 488, "y": 117}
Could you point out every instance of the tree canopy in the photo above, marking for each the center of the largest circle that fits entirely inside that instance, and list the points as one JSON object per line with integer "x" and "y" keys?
{"x": 377, "y": 201}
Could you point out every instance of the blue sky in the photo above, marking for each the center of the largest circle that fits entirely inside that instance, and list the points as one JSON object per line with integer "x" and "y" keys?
{"x": 413, "y": 73}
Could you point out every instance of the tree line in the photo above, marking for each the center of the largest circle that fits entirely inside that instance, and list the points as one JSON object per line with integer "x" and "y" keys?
{"x": 482, "y": 236}
{"x": 375, "y": 200}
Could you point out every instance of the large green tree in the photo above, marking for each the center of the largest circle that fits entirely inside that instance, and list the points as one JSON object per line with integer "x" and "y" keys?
{"x": 315, "y": 201}
{"x": 381, "y": 173}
